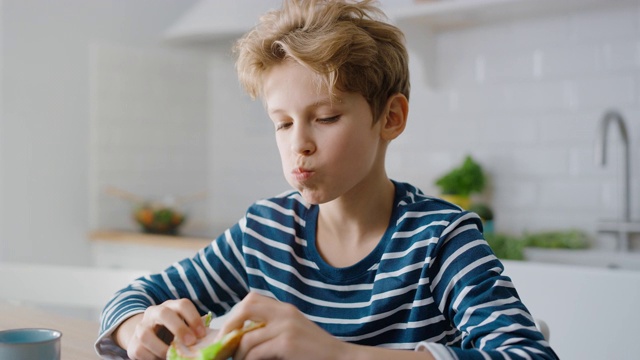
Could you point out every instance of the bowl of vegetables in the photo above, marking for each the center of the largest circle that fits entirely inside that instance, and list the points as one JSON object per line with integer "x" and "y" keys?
{"x": 159, "y": 218}
{"x": 164, "y": 216}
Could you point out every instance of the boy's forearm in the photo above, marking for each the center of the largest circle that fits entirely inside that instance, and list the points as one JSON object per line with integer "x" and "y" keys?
{"x": 125, "y": 330}
{"x": 361, "y": 352}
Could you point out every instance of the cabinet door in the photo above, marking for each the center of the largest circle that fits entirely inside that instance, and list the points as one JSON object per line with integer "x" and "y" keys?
{"x": 135, "y": 256}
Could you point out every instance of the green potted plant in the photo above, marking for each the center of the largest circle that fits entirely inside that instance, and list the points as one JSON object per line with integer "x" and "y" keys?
{"x": 506, "y": 247}
{"x": 485, "y": 213}
{"x": 457, "y": 185}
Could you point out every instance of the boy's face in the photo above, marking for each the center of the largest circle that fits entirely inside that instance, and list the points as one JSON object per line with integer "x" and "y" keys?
{"x": 328, "y": 147}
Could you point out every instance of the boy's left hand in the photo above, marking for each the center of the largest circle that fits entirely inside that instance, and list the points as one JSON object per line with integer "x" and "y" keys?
{"x": 288, "y": 334}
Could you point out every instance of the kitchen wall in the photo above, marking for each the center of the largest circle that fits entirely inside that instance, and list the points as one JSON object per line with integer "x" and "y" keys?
{"x": 149, "y": 139}
{"x": 523, "y": 97}
{"x": 3, "y": 246}
{"x": 44, "y": 138}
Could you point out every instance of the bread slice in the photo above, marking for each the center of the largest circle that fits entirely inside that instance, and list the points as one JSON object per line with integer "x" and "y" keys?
{"x": 208, "y": 349}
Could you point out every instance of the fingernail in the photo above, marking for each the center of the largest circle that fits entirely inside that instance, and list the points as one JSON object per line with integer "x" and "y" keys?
{"x": 188, "y": 339}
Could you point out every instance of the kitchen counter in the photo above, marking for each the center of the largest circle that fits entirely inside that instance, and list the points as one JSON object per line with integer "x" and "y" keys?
{"x": 597, "y": 258}
{"x": 581, "y": 305}
{"x": 133, "y": 250}
{"x": 127, "y": 237}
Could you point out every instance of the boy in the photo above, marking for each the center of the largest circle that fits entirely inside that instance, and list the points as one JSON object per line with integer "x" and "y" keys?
{"x": 350, "y": 264}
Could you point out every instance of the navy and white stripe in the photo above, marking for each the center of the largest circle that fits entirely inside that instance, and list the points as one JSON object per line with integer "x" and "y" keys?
{"x": 431, "y": 279}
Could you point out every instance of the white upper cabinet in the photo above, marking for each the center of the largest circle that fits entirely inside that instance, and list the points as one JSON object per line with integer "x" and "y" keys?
{"x": 211, "y": 21}
{"x": 215, "y": 20}
{"x": 442, "y": 15}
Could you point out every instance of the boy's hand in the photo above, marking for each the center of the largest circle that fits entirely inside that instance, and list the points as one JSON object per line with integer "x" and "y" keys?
{"x": 288, "y": 334}
{"x": 147, "y": 335}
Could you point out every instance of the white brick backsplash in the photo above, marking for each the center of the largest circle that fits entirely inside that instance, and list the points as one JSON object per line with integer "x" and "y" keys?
{"x": 473, "y": 41}
{"x": 525, "y": 98}
{"x": 528, "y": 97}
{"x": 541, "y": 162}
{"x": 481, "y": 98}
{"x": 568, "y": 194}
{"x": 605, "y": 92}
{"x": 455, "y": 68}
{"x": 560, "y": 62}
{"x": 621, "y": 55}
{"x": 576, "y": 128}
{"x": 507, "y": 130}
{"x": 610, "y": 199}
{"x": 452, "y": 132}
{"x": 509, "y": 66}
{"x": 535, "y": 32}
{"x": 602, "y": 24}
{"x": 511, "y": 194}
{"x": 582, "y": 164}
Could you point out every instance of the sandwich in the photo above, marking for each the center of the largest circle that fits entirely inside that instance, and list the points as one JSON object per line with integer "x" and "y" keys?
{"x": 207, "y": 348}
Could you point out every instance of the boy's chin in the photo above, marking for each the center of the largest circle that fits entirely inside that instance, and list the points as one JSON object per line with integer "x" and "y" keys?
{"x": 312, "y": 197}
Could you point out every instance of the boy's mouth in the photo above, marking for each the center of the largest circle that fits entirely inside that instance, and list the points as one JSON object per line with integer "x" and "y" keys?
{"x": 301, "y": 174}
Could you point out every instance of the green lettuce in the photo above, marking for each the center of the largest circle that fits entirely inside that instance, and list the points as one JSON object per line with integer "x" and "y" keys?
{"x": 206, "y": 353}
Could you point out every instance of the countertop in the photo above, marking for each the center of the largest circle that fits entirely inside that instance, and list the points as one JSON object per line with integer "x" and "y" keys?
{"x": 137, "y": 238}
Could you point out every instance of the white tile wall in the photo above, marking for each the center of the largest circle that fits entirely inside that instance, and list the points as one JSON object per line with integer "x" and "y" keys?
{"x": 244, "y": 164}
{"x": 149, "y": 132}
{"x": 525, "y": 97}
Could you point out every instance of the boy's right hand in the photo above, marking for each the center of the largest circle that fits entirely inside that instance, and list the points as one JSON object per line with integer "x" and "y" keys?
{"x": 147, "y": 335}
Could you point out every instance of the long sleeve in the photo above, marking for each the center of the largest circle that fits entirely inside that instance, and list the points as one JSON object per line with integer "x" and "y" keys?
{"x": 214, "y": 279}
{"x": 470, "y": 290}
{"x": 432, "y": 281}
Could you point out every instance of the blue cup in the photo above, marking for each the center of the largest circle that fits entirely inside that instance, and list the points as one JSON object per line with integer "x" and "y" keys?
{"x": 30, "y": 344}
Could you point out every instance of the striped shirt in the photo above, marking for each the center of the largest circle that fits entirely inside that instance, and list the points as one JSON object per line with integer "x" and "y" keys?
{"x": 431, "y": 282}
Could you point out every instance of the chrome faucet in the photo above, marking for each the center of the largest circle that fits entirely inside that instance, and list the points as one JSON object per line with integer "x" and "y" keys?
{"x": 609, "y": 118}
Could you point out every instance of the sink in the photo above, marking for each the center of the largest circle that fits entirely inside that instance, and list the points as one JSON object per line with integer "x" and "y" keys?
{"x": 624, "y": 226}
{"x": 588, "y": 258}
{"x": 619, "y": 226}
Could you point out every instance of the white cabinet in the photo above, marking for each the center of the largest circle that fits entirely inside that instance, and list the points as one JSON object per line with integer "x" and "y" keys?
{"x": 125, "y": 250}
{"x": 216, "y": 21}
{"x": 451, "y": 14}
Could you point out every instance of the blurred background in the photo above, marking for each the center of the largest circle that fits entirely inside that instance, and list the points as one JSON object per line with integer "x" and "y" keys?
{"x": 141, "y": 96}
{"x": 118, "y": 112}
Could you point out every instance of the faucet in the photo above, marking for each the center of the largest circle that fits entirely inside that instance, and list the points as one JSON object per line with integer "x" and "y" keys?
{"x": 609, "y": 118}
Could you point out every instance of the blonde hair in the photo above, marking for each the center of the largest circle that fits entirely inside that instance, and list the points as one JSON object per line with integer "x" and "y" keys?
{"x": 348, "y": 44}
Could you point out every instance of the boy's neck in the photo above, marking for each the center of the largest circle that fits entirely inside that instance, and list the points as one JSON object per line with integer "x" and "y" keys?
{"x": 350, "y": 227}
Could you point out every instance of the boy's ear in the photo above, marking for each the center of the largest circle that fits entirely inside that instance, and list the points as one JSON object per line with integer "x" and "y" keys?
{"x": 394, "y": 118}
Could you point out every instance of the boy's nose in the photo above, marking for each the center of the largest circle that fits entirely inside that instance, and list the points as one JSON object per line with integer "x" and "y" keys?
{"x": 302, "y": 142}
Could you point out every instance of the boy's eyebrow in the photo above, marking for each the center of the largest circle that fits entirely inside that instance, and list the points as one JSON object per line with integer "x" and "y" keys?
{"x": 322, "y": 102}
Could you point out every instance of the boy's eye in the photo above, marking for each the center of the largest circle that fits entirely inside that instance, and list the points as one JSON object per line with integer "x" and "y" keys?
{"x": 329, "y": 119}
{"x": 282, "y": 125}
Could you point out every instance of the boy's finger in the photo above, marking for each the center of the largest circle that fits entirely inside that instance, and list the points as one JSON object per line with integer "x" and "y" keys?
{"x": 253, "y": 307}
{"x": 196, "y": 324}
{"x": 179, "y": 328}
{"x": 187, "y": 311}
